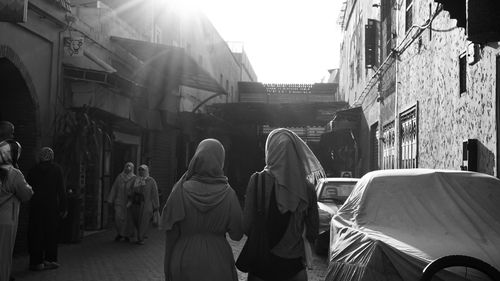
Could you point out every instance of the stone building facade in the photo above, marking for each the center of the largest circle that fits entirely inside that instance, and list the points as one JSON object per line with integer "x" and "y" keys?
{"x": 432, "y": 89}
{"x": 129, "y": 95}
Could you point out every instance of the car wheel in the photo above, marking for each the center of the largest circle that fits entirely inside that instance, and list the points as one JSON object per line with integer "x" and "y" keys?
{"x": 462, "y": 261}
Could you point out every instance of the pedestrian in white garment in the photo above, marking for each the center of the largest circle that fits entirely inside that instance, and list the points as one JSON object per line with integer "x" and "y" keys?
{"x": 118, "y": 196}
{"x": 13, "y": 191}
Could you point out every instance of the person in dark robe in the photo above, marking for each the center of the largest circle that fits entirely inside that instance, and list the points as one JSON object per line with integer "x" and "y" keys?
{"x": 291, "y": 212}
{"x": 48, "y": 205}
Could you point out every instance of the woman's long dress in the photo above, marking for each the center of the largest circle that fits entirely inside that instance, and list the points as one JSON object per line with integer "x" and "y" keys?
{"x": 12, "y": 192}
{"x": 142, "y": 212}
{"x": 202, "y": 251}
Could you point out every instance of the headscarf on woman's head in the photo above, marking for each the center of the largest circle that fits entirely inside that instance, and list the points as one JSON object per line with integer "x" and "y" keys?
{"x": 206, "y": 166}
{"x": 141, "y": 180}
{"x": 207, "y": 163}
{"x": 46, "y": 154}
{"x": 10, "y": 151}
{"x": 130, "y": 175}
{"x": 290, "y": 161}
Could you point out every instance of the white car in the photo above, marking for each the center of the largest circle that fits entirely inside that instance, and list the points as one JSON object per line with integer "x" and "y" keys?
{"x": 332, "y": 193}
{"x": 395, "y": 222}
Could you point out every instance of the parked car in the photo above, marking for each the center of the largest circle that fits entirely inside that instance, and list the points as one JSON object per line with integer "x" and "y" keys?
{"x": 395, "y": 222}
{"x": 332, "y": 193}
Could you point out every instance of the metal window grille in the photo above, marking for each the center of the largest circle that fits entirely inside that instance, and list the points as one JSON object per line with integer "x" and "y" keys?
{"x": 389, "y": 148}
{"x": 408, "y": 139}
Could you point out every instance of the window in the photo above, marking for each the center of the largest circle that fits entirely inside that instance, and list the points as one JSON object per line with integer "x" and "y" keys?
{"x": 409, "y": 14}
{"x": 386, "y": 26}
{"x": 374, "y": 132}
{"x": 463, "y": 73}
{"x": 371, "y": 43}
{"x": 389, "y": 148}
{"x": 408, "y": 132}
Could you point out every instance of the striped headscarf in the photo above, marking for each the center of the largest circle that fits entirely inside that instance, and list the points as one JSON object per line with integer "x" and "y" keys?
{"x": 10, "y": 151}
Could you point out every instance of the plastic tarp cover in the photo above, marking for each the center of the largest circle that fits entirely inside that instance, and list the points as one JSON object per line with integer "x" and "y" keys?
{"x": 397, "y": 221}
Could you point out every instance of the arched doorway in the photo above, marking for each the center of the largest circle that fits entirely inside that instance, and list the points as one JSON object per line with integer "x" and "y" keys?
{"x": 17, "y": 106}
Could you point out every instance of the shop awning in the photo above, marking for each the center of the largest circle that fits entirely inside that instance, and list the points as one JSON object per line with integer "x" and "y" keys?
{"x": 171, "y": 62}
{"x": 88, "y": 61}
{"x": 345, "y": 119}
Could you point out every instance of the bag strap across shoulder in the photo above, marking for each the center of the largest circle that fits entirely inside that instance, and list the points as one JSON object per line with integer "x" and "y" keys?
{"x": 260, "y": 202}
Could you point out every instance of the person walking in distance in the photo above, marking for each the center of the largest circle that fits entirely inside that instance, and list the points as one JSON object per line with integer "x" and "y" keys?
{"x": 48, "y": 206}
{"x": 118, "y": 196}
{"x": 285, "y": 190}
{"x": 199, "y": 212}
{"x": 144, "y": 202}
{"x": 13, "y": 190}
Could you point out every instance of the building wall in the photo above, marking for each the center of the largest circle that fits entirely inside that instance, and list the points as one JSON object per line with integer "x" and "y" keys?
{"x": 353, "y": 73}
{"x": 39, "y": 64}
{"x": 32, "y": 47}
{"x": 429, "y": 74}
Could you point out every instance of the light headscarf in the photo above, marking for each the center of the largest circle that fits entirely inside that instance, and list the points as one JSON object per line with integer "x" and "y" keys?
{"x": 10, "y": 151}
{"x": 129, "y": 176}
{"x": 141, "y": 180}
{"x": 206, "y": 166}
{"x": 46, "y": 154}
{"x": 290, "y": 161}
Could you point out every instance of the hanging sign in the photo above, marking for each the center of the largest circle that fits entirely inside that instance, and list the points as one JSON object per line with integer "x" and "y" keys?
{"x": 73, "y": 46}
{"x": 13, "y": 10}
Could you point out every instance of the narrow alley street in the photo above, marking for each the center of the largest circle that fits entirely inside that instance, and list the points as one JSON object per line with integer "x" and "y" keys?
{"x": 98, "y": 258}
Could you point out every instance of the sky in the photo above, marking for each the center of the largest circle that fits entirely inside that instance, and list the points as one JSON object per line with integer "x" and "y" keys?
{"x": 286, "y": 41}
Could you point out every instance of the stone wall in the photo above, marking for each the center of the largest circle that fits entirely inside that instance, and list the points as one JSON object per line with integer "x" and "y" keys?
{"x": 429, "y": 75}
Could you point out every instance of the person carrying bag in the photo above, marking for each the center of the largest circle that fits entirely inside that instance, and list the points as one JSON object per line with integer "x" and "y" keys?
{"x": 280, "y": 209}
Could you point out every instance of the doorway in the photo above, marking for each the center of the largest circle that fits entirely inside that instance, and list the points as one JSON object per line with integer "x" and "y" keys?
{"x": 17, "y": 106}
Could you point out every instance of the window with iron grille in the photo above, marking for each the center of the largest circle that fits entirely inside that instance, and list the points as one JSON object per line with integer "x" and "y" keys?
{"x": 389, "y": 146}
{"x": 408, "y": 135}
{"x": 409, "y": 14}
{"x": 374, "y": 132}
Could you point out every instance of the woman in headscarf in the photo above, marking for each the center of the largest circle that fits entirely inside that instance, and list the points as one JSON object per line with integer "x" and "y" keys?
{"x": 199, "y": 212}
{"x": 144, "y": 202}
{"x": 118, "y": 196}
{"x": 290, "y": 206}
{"x": 47, "y": 206}
{"x": 13, "y": 191}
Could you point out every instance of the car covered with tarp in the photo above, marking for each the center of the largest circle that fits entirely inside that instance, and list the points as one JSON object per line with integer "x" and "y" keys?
{"x": 395, "y": 222}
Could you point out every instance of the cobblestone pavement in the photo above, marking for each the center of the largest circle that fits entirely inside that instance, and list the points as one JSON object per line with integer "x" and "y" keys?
{"x": 98, "y": 258}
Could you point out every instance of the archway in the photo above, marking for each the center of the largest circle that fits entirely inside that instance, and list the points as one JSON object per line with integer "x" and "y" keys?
{"x": 17, "y": 106}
